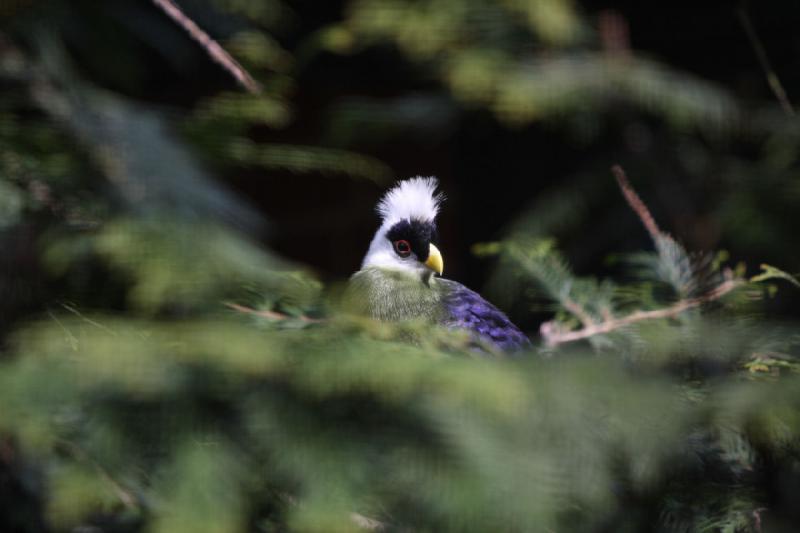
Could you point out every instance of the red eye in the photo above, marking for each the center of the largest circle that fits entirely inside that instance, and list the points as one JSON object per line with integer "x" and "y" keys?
{"x": 403, "y": 248}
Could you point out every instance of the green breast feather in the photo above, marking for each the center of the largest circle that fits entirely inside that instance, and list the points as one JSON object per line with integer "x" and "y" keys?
{"x": 394, "y": 295}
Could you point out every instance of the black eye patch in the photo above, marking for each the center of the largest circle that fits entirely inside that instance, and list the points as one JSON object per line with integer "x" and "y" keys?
{"x": 419, "y": 235}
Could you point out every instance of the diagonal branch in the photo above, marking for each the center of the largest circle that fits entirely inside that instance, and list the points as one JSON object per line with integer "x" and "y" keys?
{"x": 636, "y": 203}
{"x": 272, "y": 315}
{"x": 212, "y": 47}
{"x": 577, "y": 309}
{"x": 554, "y": 334}
{"x": 127, "y": 497}
{"x": 761, "y": 54}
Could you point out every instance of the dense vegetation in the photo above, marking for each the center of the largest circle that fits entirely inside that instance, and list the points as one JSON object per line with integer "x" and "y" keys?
{"x": 174, "y": 358}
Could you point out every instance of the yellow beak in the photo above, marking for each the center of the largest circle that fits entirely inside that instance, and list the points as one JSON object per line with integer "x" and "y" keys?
{"x": 435, "y": 261}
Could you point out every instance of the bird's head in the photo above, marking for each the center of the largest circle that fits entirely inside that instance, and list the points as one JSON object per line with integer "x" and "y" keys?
{"x": 405, "y": 239}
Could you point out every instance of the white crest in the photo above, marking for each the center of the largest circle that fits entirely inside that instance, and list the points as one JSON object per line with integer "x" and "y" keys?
{"x": 413, "y": 198}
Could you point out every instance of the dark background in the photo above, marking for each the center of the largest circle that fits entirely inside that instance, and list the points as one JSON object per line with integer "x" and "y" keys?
{"x": 491, "y": 172}
{"x": 163, "y": 367}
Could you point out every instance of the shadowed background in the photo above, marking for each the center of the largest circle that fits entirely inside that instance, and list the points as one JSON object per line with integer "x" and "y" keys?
{"x": 170, "y": 359}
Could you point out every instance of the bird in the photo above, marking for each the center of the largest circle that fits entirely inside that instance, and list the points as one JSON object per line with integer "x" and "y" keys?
{"x": 401, "y": 275}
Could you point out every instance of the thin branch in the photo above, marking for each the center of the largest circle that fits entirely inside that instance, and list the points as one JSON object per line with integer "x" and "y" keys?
{"x": 553, "y": 336}
{"x": 636, "y": 203}
{"x": 552, "y": 332}
{"x": 212, "y": 47}
{"x": 577, "y": 309}
{"x": 272, "y": 315}
{"x": 757, "y": 518}
{"x": 127, "y": 498}
{"x": 86, "y": 319}
{"x": 73, "y": 340}
{"x": 772, "y": 78}
{"x": 370, "y": 524}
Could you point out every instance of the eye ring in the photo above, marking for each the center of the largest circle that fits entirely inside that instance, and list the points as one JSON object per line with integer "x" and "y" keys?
{"x": 402, "y": 248}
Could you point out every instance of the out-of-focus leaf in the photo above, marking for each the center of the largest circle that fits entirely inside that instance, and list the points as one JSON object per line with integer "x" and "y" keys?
{"x": 202, "y": 490}
{"x": 11, "y": 204}
{"x": 177, "y": 263}
{"x": 134, "y": 146}
{"x": 78, "y": 492}
{"x": 770, "y": 272}
{"x": 259, "y": 50}
{"x": 309, "y": 159}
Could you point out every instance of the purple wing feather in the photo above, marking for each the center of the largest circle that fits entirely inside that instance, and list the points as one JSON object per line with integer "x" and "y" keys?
{"x": 466, "y": 309}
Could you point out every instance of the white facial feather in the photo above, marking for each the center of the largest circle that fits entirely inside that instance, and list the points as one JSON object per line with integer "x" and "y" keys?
{"x": 414, "y": 198}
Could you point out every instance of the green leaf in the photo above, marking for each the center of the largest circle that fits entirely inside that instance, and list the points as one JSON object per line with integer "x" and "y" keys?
{"x": 770, "y": 272}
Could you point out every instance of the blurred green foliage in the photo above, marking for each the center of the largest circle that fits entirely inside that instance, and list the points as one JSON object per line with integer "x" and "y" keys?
{"x": 162, "y": 371}
{"x": 529, "y": 60}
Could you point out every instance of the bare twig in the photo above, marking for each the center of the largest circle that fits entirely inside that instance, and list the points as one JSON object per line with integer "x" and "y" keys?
{"x": 272, "y": 315}
{"x": 127, "y": 498}
{"x": 772, "y": 78}
{"x": 212, "y": 47}
{"x": 552, "y": 332}
{"x": 552, "y": 335}
{"x": 73, "y": 340}
{"x": 86, "y": 319}
{"x": 577, "y": 309}
{"x": 370, "y": 524}
{"x": 757, "y": 518}
{"x": 636, "y": 203}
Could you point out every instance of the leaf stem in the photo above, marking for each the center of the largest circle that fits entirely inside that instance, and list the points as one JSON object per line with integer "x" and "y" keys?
{"x": 212, "y": 47}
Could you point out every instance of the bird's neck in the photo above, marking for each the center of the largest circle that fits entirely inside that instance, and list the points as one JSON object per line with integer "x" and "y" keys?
{"x": 391, "y": 294}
